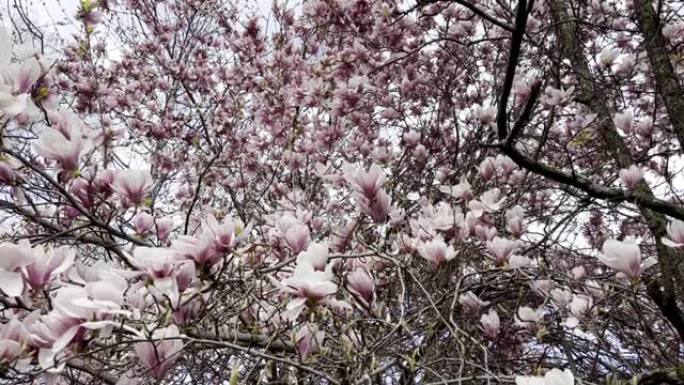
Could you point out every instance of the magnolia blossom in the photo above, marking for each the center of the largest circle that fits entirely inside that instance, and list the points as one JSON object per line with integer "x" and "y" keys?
{"x": 47, "y": 264}
{"x": 362, "y": 283}
{"x": 316, "y": 254}
{"x": 506, "y": 164}
{"x": 486, "y": 115}
{"x": 553, "y": 96}
{"x": 561, "y": 296}
{"x": 624, "y": 257}
{"x": 62, "y": 147}
{"x": 542, "y": 286}
{"x": 487, "y": 168}
{"x": 500, "y": 249}
{"x": 308, "y": 339}
{"x": 515, "y": 221}
{"x": 155, "y": 262}
{"x": 624, "y": 120}
{"x": 580, "y": 307}
{"x": 552, "y": 377}
{"x": 307, "y": 283}
{"x": 607, "y": 57}
{"x": 675, "y": 234}
{"x": 437, "y": 251}
{"x": 160, "y": 353}
{"x": 16, "y": 80}
{"x": 459, "y": 191}
{"x": 489, "y": 202}
{"x": 631, "y": 176}
{"x": 132, "y": 186}
{"x": 516, "y": 261}
{"x": 490, "y": 324}
{"x": 623, "y": 65}
{"x": 471, "y": 302}
{"x": 527, "y": 317}
{"x": 143, "y": 223}
{"x": 13, "y": 258}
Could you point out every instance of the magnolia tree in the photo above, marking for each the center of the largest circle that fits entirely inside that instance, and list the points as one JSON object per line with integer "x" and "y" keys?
{"x": 344, "y": 192}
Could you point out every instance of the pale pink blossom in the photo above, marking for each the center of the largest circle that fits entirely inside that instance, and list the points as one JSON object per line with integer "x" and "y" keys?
{"x": 155, "y": 262}
{"x": 553, "y": 96}
{"x": 631, "y": 176}
{"x": 500, "y": 249}
{"x": 437, "y": 251}
{"x": 517, "y": 261}
{"x": 13, "y": 258}
{"x": 307, "y": 283}
{"x": 675, "y": 234}
{"x": 143, "y": 223}
{"x": 552, "y": 377}
{"x": 487, "y": 168}
{"x": 471, "y": 303}
{"x": 164, "y": 228}
{"x": 527, "y": 317}
{"x": 459, "y": 191}
{"x": 489, "y": 202}
{"x": 132, "y": 186}
{"x": 561, "y": 296}
{"x": 362, "y": 283}
{"x": 160, "y": 353}
{"x": 607, "y": 57}
{"x": 308, "y": 339}
{"x": 47, "y": 265}
{"x": 490, "y": 324}
{"x": 515, "y": 221}
{"x": 624, "y": 65}
{"x": 65, "y": 148}
{"x": 506, "y": 164}
{"x": 316, "y": 254}
{"x": 624, "y": 120}
{"x": 624, "y": 257}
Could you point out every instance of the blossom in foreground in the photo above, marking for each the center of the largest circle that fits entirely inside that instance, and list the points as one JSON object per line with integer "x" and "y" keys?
{"x": 159, "y": 354}
{"x": 471, "y": 302}
{"x": 62, "y": 147}
{"x": 12, "y": 259}
{"x": 308, "y": 340}
{"x": 624, "y": 257}
{"x": 552, "y": 377}
{"x": 675, "y": 234}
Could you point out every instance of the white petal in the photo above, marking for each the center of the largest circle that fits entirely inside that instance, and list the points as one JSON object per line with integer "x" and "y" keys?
{"x": 11, "y": 283}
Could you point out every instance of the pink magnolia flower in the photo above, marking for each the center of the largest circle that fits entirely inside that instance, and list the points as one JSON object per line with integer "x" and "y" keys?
{"x": 63, "y": 148}
{"x": 489, "y": 202}
{"x": 516, "y": 261}
{"x": 143, "y": 223}
{"x": 308, "y": 340}
{"x": 631, "y": 176}
{"x": 362, "y": 283}
{"x": 490, "y": 324}
{"x": 155, "y": 262}
{"x": 459, "y": 191}
{"x": 542, "y": 286}
{"x": 675, "y": 234}
{"x": 624, "y": 257}
{"x": 368, "y": 183}
{"x": 13, "y": 258}
{"x": 487, "y": 168}
{"x": 500, "y": 249}
{"x": 132, "y": 186}
{"x": 527, "y": 317}
{"x": 316, "y": 255}
{"x": 552, "y": 377}
{"x": 623, "y": 65}
{"x": 47, "y": 264}
{"x": 160, "y": 353}
{"x": 561, "y": 296}
{"x": 307, "y": 283}
{"x": 515, "y": 221}
{"x": 607, "y": 57}
{"x": 437, "y": 251}
{"x": 377, "y": 208}
{"x": 581, "y": 308}
{"x": 298, "y": 238}
{"x": 164, "y": 228}
{"x": 506, "y": 164}
{"x": 471, "y": 302}
{"x": 624, "y": 120}
{"x": 553, "y": 96}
